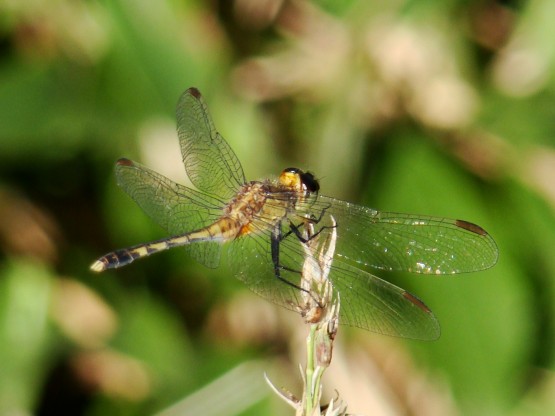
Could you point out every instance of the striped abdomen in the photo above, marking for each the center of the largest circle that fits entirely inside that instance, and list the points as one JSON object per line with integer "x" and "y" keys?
{"x": 222, "y": 230}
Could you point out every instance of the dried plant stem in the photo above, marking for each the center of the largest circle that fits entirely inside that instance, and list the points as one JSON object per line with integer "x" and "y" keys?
{"x": 320, "y": 309}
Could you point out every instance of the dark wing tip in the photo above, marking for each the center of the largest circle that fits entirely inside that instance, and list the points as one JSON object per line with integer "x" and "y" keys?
{"x": 433, "y": 331}
{"x": 124, "y": 162}
{"x": 416, "y": 302}
{"x": 194, "y": 92}
{"x": 473, "y": 228}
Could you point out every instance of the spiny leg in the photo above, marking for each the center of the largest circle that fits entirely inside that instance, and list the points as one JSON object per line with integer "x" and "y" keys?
{"x": 294, "y": 228}
{"x": 276, "y": 240}
{"x": 278, "y": 237}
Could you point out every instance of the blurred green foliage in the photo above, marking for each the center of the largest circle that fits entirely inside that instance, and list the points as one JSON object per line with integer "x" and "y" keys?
{"x": 439, "y": 108}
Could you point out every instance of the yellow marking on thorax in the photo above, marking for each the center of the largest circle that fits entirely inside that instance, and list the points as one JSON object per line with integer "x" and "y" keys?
{"x": 239, "y": 214}
{"x": 252, "y": 209}
{"x": 245, "y": 229}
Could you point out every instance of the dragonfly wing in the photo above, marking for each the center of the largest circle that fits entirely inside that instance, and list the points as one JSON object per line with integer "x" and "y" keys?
{"x": 367, "y": 302}
{"x": 405, "y": 242}
{"x": 250, "y": 257}
{"x": 211, "y": 164}
{"x": 371, "y": 303}
{"x": 176, "y": 208}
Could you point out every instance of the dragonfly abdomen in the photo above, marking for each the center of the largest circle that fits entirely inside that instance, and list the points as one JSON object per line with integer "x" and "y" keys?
{"x": 123, "y": 257}
{"x": 223, "y": 230}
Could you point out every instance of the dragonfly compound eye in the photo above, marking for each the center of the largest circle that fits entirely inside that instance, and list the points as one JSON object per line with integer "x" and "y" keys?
{"x": 310, "y": 183}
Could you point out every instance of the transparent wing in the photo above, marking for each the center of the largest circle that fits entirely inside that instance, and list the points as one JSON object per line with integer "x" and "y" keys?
{"x": 176, "y": 208}
{"x": 367, "y": 301}
{"x": 404, "y": 242}
{"x": 211, "y": 164}
{"x": 250, "y": 257}
{"x": 251, "y": 262}
{"x": 371, "y": 303}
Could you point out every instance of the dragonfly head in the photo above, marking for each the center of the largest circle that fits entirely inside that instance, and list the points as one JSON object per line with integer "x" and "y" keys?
{"x": 298, "y": 180}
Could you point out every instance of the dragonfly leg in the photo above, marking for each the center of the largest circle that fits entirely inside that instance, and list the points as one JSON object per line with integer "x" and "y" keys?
{"x": 294, "y": 228}
{"x": 276, "y": 240}
{"x": 315, "y": 220}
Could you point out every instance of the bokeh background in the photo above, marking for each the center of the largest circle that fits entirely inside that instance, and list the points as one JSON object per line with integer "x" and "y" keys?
{"x": 444, "y": 108}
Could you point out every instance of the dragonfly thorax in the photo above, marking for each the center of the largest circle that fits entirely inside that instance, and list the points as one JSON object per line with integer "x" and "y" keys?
{"x": 247, "y": 202}
{"x": 258, "y": 204}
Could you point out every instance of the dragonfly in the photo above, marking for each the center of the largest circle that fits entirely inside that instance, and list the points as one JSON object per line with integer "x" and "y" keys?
{"x": 262, "y": 223}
